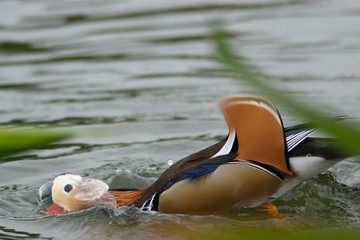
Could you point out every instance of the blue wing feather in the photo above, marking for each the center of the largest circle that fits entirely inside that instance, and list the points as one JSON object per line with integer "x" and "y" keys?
{"x": 194, "y": 173}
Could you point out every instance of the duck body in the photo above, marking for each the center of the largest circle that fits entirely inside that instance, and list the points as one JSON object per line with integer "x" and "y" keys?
{"x": 257, "y": 161}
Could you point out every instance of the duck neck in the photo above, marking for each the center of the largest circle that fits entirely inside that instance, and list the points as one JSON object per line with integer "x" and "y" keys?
{"x": 127, "y": 198}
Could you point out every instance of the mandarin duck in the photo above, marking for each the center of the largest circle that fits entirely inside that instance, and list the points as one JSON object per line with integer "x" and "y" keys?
{"x": 258, "y": 161}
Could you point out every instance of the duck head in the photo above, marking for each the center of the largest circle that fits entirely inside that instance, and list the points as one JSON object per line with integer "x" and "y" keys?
{"x": 71, "y": 193}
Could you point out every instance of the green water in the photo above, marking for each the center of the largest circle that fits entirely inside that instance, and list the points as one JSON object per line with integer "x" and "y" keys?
{"x": 143, "y": 74}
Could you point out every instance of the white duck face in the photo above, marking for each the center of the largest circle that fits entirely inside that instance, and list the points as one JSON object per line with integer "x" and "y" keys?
{"x": 73, "y": 193}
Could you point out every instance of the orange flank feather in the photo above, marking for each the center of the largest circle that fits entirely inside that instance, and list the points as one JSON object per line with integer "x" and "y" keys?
{"x": 127, "y": 198}
{"x": 259, "y": 131}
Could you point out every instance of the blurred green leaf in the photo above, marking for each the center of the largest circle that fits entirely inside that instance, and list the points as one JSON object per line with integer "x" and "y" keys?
{"x": 348, "y": 135}
{"x": 17, "y": 140}
{"x": 277, "y": 234}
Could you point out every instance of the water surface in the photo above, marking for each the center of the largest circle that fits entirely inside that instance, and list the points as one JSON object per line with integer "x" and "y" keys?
{"x": 143, "y": 73}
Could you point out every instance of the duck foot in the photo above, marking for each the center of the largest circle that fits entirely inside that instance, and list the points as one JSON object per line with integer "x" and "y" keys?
{"x": 272, "y": 210}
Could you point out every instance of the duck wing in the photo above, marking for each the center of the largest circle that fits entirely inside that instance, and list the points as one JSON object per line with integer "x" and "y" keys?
{"x": 254, "y": 125}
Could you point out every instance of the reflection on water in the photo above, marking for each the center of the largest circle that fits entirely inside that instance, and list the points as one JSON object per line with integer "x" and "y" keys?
{"x": 13, "y": 234}
{"x": 143, "y": 72}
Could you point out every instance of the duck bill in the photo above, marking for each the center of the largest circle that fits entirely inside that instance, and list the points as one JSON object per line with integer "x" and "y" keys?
{"x": 54, "y": 209}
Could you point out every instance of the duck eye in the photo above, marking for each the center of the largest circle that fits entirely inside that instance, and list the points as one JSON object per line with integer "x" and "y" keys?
{"x": 68, "y": 188}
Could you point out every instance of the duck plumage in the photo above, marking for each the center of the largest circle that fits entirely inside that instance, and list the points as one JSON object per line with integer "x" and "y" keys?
{"x": 249, "y": 167}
